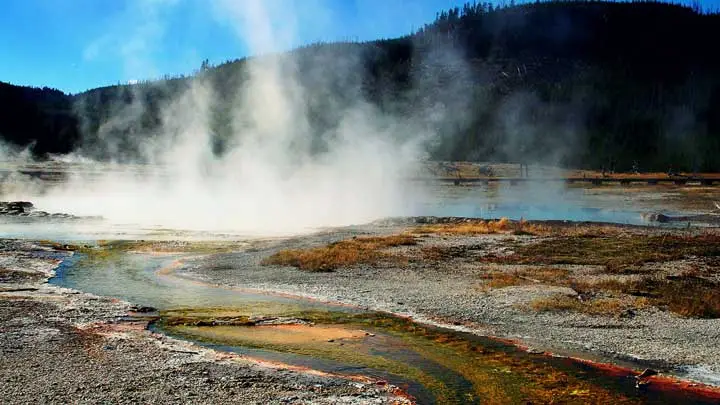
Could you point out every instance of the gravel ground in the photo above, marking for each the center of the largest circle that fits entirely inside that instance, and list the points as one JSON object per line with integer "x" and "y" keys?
{"x": 62, "y": 346}
{"x": 452, "y": 293}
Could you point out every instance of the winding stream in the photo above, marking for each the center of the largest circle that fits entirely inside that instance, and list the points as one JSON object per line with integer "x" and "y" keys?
{"x": 434, "y": 365}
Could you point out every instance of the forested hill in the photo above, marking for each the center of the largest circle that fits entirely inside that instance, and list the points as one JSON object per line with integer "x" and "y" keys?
{"x": 41, "y": 117}
{"x": 582, "y": 84}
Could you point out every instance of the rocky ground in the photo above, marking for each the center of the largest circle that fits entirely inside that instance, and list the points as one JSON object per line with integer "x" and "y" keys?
{"x": 61, "y": 346}
{"x": 454, "y": 291}
{"x": 26, "y": 209}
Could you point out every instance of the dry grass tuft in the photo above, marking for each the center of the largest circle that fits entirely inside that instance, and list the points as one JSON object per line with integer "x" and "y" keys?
{"x": 685, "y": 295}
{"x": 367, "y": 250}
{"x": 556, "y": 303}
{"x": 521, "y": 227}
{"x": 589, "y": 231}
{"x": 481, "y": 227}
{"x": 533, "y": 275}
{"x": 597, "y": 306}
{"x": 623, "y": 254}
{"x": 690, "y": 299}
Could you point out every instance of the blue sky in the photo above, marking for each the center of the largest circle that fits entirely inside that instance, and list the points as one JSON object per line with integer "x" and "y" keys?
{"x": 75, "y": 45}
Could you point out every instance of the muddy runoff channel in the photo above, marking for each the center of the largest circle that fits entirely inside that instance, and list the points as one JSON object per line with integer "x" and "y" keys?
{"x": 429, "y": 363}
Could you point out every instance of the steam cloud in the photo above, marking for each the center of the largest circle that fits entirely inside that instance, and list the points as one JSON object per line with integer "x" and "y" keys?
{"x": 269, "y": 180}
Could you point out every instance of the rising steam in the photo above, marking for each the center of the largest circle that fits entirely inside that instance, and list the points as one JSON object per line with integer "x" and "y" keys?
{"x": 269, "y": 180}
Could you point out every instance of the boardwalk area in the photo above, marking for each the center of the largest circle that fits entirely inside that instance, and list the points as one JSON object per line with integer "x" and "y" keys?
{"x": 700, "y": 181}
{"x": 479, "y": 173}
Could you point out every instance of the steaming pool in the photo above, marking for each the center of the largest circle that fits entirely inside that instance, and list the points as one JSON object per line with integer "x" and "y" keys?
{"x": 517, "y": 202}
{"x": 475, "y": 201}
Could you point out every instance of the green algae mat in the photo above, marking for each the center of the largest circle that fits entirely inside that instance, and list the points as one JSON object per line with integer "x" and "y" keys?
{"x": 433, "y": 365}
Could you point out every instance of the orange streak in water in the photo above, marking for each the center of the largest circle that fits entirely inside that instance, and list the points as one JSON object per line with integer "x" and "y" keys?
{"x": 659, "y": 382}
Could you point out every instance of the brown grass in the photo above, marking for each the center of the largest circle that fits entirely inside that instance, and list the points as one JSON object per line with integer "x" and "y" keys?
{"x": 360, "y": 250}
{"x": 534, "y": 275}
{"x": 689, "y": 294}
{"x": 589, "y": 231}
{"x": 686, "y": 295}
{"x": 597, "y": 306}
{"x": 624, "y": 254}
{"x": 481, "y": 227}
{"x": 521, "y": 227}
{"x": 689, "y": 298}
{"x": 692, "y": 294}
{"x": 59, "y": 246}
{"x": 556, "y": 303}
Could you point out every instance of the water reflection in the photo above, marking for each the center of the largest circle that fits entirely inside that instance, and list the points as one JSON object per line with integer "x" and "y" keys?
{"x": 536, "y": 202}
{"x": 146, "y": 279}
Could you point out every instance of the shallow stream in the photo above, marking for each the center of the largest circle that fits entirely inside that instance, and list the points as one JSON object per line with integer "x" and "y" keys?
{"x": 432, "y": 364}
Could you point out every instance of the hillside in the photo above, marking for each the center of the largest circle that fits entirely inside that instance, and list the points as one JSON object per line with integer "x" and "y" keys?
{"x": 43, "y": 118}
{"x": 580, "y": 84}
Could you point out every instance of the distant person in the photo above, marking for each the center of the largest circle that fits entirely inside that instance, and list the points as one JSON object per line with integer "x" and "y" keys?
{"x": 486, "y": 171}
{"x": 523, "y": 165}
{"x": 524, "y": 170}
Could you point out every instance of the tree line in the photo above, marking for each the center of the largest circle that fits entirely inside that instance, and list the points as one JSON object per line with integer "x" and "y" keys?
{"x": 578, "y": 83}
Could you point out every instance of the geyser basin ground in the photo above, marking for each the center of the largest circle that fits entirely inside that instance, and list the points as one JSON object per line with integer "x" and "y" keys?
{"x": 579, "y": 292}
{"x": 456, "y": 277}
